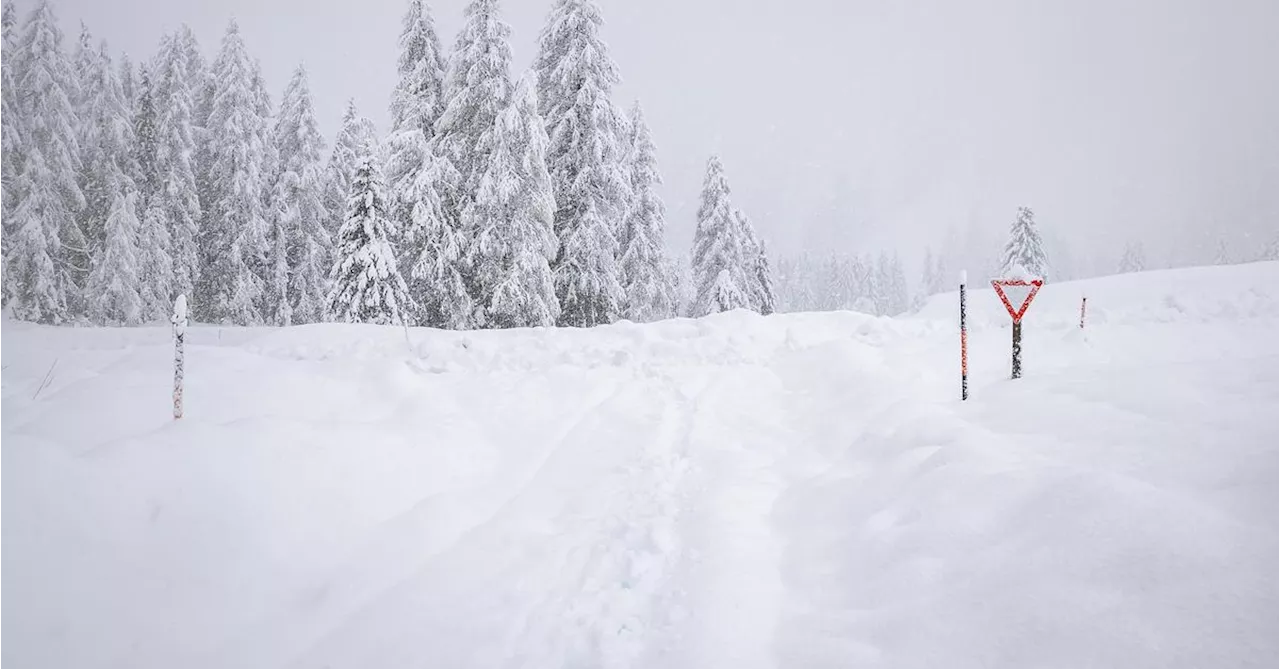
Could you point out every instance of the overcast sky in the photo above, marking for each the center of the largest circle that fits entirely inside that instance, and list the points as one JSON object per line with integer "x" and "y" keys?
{"x": 869, "y": 124}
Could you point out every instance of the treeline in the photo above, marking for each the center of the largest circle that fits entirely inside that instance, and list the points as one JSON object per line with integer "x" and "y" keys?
{"x": 490, "y": 202}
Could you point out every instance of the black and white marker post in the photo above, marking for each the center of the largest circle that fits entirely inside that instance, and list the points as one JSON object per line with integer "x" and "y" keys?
{"x": 179, "y": 321}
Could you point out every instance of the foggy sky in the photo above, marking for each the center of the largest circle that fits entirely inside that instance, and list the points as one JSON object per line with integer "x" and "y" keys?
{"x": 869, "y": 125}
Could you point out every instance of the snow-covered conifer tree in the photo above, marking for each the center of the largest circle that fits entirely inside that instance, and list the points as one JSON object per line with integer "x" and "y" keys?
{"x": 10, "y": 142}
{"x": 576, "y": 77}
{"x": 356, "y": 138}
{"x": 763, "y": 276}
{"x": 299, "y": 214}
{"x": 112, "y": 294}
{"x": 416, "y": 104}
{"x": 755, "y": 265}
{"x": 47, "y": 237}
{"x": 721, "y": 277}
{"x": 106, "y": 144}
{"x": 175, "y": 202}
{"x": 1024, "y": 248}
{"x": 513, "y": 215}
{"x": 128, "y": 82}
{"x": 1133, "y": 260}
{"x": 899, "y": 291}
{"x": 144, "y": 134}
{"x": 235, "y": 231}
{"x": 477, "y": 89}
{"x": 367, "y": 287}
{"x": 647, "y": 283}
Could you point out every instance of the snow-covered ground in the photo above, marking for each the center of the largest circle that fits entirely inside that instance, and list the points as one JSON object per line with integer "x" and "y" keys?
{"x": 795, "y": 491}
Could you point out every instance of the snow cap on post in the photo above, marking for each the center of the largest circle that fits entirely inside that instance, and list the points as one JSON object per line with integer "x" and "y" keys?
{"x": 179, "y": 319}
{"x": 964, "y": 277}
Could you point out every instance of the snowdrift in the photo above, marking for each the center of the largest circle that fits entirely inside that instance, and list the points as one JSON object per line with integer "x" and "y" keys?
{"x": 796, "y": 490}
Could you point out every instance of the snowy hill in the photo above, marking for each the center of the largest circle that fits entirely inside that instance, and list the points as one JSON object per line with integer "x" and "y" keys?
{"x": 796, "y": 491}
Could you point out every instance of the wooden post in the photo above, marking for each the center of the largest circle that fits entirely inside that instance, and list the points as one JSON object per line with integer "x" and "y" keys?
{"x": 964, "y": 341}
{"x": 179, "y": 321}
{"x": 1017, "y": 349}
{"x": 1082, "y": 301}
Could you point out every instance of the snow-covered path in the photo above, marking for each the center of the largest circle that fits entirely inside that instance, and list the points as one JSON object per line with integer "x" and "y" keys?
{"x": 800, "y": 490}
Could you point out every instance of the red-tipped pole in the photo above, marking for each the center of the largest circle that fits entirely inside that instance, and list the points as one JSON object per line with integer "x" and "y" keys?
{"x": 1082, "y": 301}
{"x": 964, "y": 341}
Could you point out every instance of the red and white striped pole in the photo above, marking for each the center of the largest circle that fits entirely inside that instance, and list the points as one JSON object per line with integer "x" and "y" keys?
{"x": 964, "y": 340}
{"x": 1082, "y": 301}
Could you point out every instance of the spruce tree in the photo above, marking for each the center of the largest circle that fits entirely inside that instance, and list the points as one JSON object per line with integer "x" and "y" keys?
{"x": 173, "y": 214}
{"x": 1133, "y": 260}
{"x": 720, "y": 274}
{"x": 755, "y": 264}
{"x": 647, "y": 282}
{"x": 575, "y": 84}
{"x": 234, "y": 236}
{"x": 512, "y": 216}
{"x": 355, "y": 138}
{"x": 416, "y": 104}
{"x": 112, "y": 294}
{"x": 128, "y": 82}
{"x": 1024, "y": 248}
{"x": 433, "y": 246}
{"x": 477, "y": 89}
{"x": 299, "y": 210}
{"x": 106, "y": 143}
{"x": 367, "y": 287}
{"x": 10, "y": 130}
{"x": 48, "y": 241}
{"x": 144, "y": 134}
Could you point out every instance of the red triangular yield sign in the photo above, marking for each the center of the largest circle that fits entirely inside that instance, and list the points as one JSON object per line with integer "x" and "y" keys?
{"x": 1029, "y": 290}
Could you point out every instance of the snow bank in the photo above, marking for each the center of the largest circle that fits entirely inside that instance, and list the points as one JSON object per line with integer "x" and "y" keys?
{"x": 1205, "y": 294}
{"x": 797, "y": 490}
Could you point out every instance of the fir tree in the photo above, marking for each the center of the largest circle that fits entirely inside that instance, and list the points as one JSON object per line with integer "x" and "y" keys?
{"x": 1024, "y": 249}
{"x": 128, "y": 83}
{"x": 234, "y": 235}
{"x": 48, "y": 241}
{"x": 106, "y": 144}
{"x": 512, "y": 216}
{"x": 10, "y": 131}
{"x": 367, "y": 287}
{"x": 435, "y": 248}
{"x": 416, "y": 104}
{"x": 112, "y": 293}
{"x": 355, "y": 138}
{"x": 144, "y": 134}
{"x": 477, "y": 89}
{"x": 755, "y": 264}
{"x": 172, "y": 218}
{"x": 301, "y": 237}
{"x": 1133, "y": 260}
{"x": 647, "y": 282}
{"x": 575, "y": 84}
{"x": 1271, "y": 251}
{"x": 720, "y": 274}
{"x": 763, "y": 275}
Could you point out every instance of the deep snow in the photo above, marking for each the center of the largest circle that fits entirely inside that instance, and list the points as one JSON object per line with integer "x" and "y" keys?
{"x": 799, "y": 490}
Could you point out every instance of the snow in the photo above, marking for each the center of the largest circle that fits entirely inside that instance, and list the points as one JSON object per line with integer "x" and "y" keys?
{"x": 792, "y": 490}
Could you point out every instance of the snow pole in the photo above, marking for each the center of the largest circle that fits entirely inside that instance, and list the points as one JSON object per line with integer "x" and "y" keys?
{"x": 964, "y": 340}
{"x": 179, "y": 322}
{"x": 1082, "y": 301}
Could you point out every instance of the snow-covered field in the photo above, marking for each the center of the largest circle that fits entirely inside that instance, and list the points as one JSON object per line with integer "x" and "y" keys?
{"x": 795, "y": 491}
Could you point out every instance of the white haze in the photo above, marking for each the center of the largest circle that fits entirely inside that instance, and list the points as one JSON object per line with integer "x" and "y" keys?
{"x": 863, "y": 126}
